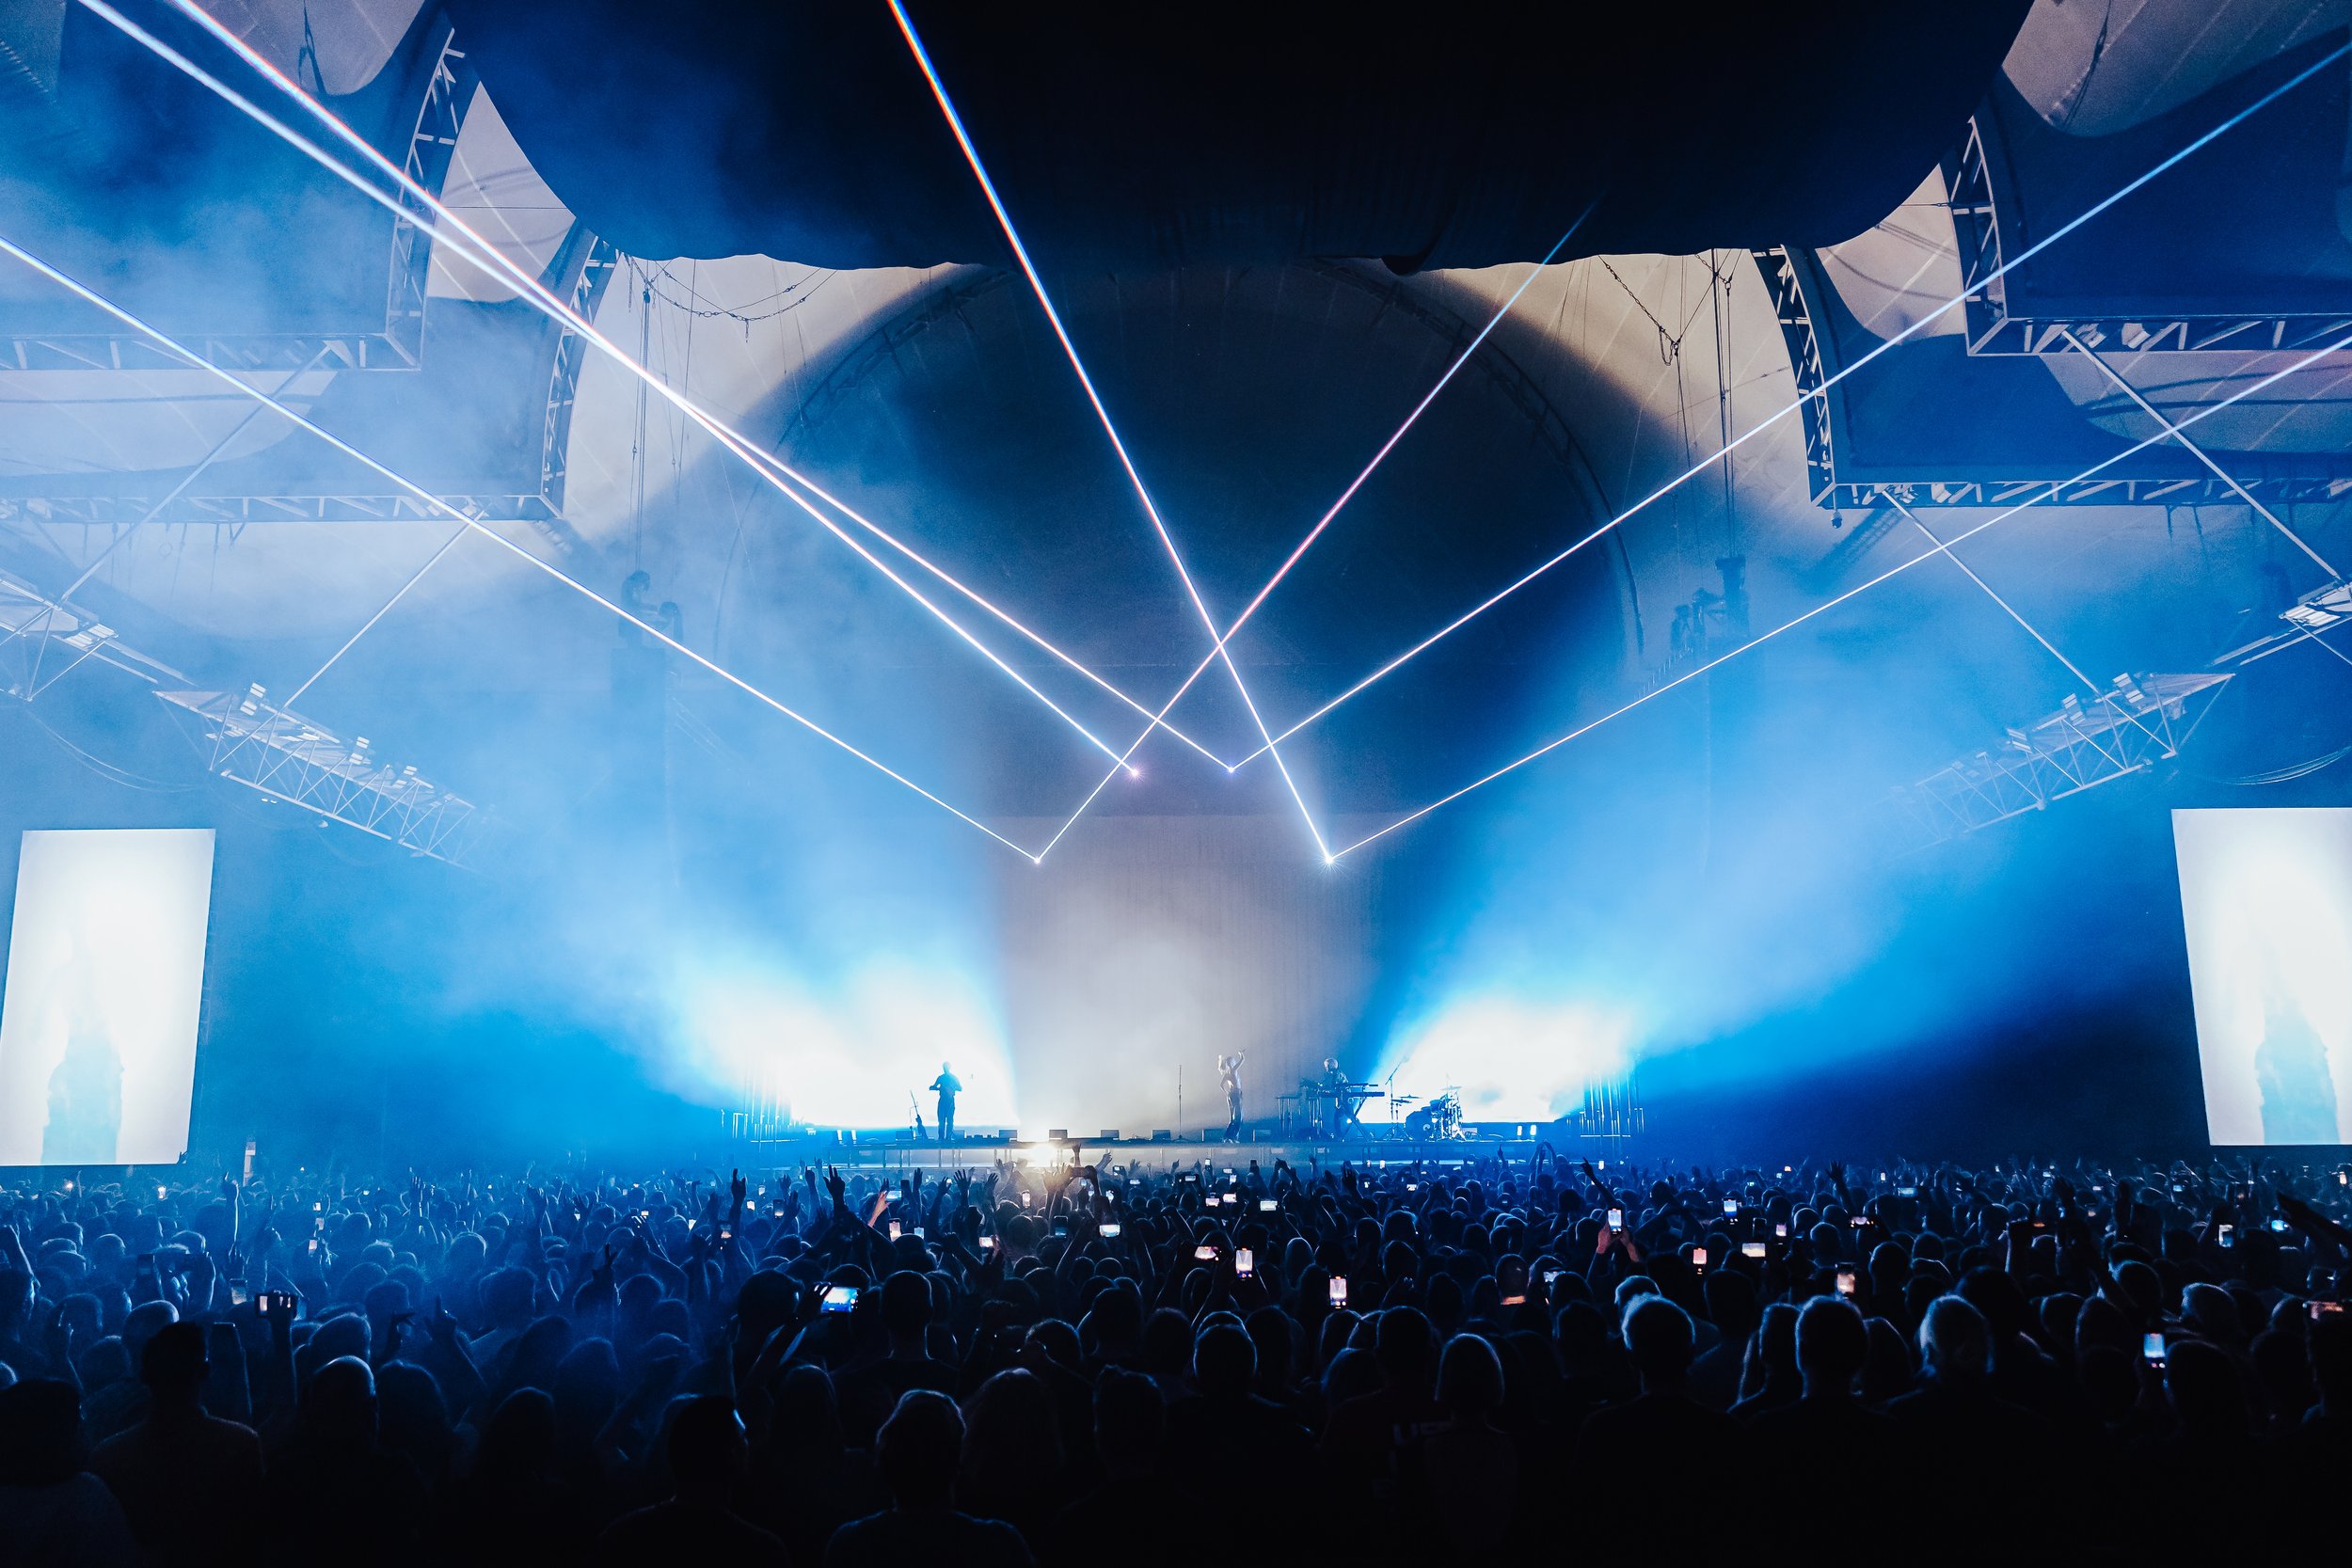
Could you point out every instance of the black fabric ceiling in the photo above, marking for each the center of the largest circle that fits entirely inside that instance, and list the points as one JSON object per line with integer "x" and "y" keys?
{"x": 1147, "y": 137}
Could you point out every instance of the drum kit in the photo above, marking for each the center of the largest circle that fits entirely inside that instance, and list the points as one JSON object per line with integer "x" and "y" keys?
{"x": 1332, "y": 1108}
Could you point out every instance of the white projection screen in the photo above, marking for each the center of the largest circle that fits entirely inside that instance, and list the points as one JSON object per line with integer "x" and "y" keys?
{"x": 98, "y": 1016}
{"x": 2266, "y": 896}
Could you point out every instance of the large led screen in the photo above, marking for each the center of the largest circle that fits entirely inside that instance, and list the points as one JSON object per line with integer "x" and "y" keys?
{"x": 2267, "y": 899}
{"x": 98, "y": 1014}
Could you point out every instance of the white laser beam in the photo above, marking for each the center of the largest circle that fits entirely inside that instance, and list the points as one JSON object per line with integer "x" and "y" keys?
{"x": 2006, "y": 267}
{"x": 469, "y": 242}
{"x": 181, "y": 351}
{"x": 1942, "y": 548}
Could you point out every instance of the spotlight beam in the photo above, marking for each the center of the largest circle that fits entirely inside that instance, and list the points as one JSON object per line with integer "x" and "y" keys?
{"x": 2197, "y": 452}
{"x": 1945, "y": 548}
{"x": 1691, "y": 472}
{"x": 1069, "y": 348}
{"x": 2031, "y": 631}
{"x": 181, "y": 351}
{"x": 452, "y": 230}
{"x": 1325, "y": 521}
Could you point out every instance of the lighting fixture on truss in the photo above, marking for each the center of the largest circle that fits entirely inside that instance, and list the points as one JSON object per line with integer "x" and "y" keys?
{"x": 286, "y": 757}
{"x": 2139, "y": 721}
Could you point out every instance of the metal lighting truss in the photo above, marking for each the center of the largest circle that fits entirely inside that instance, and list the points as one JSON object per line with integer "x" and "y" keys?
{"x": 2320, "y": 610}
{"x": 286, "y": 757}
{"x": 42, "y": 641}
{"x": 1798, "y": 292}
{"x": 1994, "y": 328}
{"x": 2140, "y": 721}
{"x": 443, "y": 85}
{"x": 267, "y": 749}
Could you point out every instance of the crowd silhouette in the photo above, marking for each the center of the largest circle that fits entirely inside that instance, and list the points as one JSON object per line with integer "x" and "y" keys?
{"x": 1075, "y": 1364}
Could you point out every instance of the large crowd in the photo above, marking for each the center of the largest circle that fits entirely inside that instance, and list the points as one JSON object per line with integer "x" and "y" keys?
{"x": 1119, "y": 1363}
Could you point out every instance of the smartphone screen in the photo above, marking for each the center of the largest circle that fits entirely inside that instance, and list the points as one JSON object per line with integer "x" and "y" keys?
{"x": 1204, "y": 1254}
{"x": 1552, "y": 1277}
{"x": 1267, "y": 1205}
{"x": 1111, "y": 1228}
{"x": 1514, "y": 1301}
{"x": 1780, "y": 1232}
{"x": 988, "y": 1244}
{"x": 894, "y": 1230}
{"x": 1244, "y": 1262}
{"x": 1338, "y": 1290}
{"x": 2225, "y": 1234}
{"x": 2319, "y": 1309}
{"x": 2152, "y": 1349}
{"x": 1616, "y": 1219}
{"x": 1698, "y": 1258}
{"x": 840, "y": 1298}
{"x": 1752, "y": 1249}
{"x": 1846, "y": 1282}
{"x": 1731, "y": 1205}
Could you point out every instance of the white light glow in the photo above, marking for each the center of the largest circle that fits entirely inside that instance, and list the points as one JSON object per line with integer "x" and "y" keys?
{"x": 1512, "y": 1059}
{"x": 853, "y": 1053}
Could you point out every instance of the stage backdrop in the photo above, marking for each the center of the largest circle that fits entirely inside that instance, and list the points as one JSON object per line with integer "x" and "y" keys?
{"x": 1150, "y": 943}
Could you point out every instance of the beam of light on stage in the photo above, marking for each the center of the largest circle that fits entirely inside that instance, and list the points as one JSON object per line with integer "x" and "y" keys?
{"x": 2163, "y": 434}
{"x": 191, "y": 357}
{"x": 853, "y": 1049}
{"x": 451, "y": 229}
{"x": 1135, "y": 479}
{"x": 1509, "y": 1057}
{"x": 1976, "y": 287}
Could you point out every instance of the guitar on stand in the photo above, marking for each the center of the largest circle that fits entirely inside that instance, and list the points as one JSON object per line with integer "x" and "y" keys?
{"x": 916, "y": 1106}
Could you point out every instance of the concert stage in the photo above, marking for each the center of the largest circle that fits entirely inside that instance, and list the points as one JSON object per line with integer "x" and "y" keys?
{"x": 894, "y": 1151}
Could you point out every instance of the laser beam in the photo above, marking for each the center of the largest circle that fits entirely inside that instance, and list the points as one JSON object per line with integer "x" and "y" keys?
{"x": 1325, "y": 521}
{"x": 1704, "y": 463}
{"x": 469, "y": 244}
{"x": 181, "y": 351}
{"x": 1942, "y": 548}
{"x": 1078, "y": 364}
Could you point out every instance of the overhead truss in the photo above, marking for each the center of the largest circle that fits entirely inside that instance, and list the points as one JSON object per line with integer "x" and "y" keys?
{"x": 43, "y": 639}
{"x": 1999, "y": 323}
{"x": 2141, "y": 720}
{"x": 443, "y": 86}
{"x": 287, "y": 757}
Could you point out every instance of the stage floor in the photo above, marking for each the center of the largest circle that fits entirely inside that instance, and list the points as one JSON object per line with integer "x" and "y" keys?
{"x": 861, "y": 1151}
